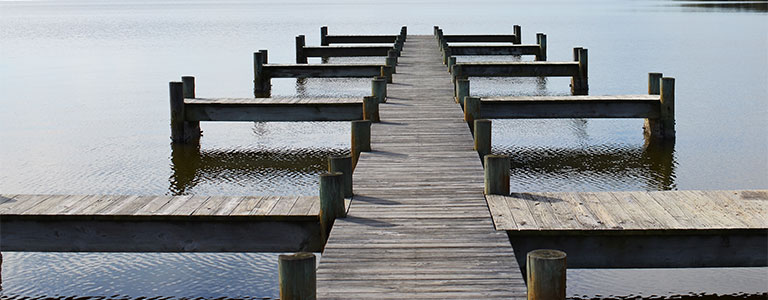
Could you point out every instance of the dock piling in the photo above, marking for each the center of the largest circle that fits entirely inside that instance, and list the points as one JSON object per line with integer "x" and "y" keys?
{"x": 261, "y": 82}
{"x": 323, "y": 35}
{"x": 545, "y": 270}
{"x": 496, "y": 174}
{"x": 517, "y": 31}
{"x": 482, "y": 136}
{"x": 297, "y": 276}
{"x": 264, "y": 55}
{"x": 579, "y": 85}
{"x": 462, "y": 90}
{"x": 181, "y": 131}
{"x": 361, "y": 138}
{"x": 386, "y": 72}
{"x": 371, "y": 109}
{"x": 342, "y": 164}
{"x": 654, "y": 83}
{"x": 300, "y": 43}
{"x": 664, "y": 126}
{"x": 192, "y": 130}
{"x": 451, "y": 62}
{"x": 379, "y": 89}
{"x": 331, "y": 199}
{"x": 541, "y": 40}
{"x": 471, "y": 110}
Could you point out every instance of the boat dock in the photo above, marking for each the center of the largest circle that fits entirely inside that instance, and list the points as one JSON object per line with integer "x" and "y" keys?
{"x": 421, "y": 209}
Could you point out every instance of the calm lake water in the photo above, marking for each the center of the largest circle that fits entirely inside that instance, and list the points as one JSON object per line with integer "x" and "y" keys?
{"x": 83, "y": 86}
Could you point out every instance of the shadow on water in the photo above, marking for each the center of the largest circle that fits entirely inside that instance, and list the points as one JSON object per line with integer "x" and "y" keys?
{"x": 724, "y": 6}
{"x": 601, "y": 167}
{"x": 192, "y": 166}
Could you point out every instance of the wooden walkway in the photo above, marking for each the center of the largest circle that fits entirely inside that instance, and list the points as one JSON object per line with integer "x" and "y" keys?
{"x": 418, "y": 226}
{"x": 645, "y": 211}
{"x": 160, "y": 223}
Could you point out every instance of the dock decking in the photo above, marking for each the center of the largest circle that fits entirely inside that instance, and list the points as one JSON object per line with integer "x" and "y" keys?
{"x": 160, "y": 223}
{"x": 418, "y": 225}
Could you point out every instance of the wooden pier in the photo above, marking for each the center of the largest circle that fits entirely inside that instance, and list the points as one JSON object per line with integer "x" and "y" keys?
{"x": 430, "y": 215}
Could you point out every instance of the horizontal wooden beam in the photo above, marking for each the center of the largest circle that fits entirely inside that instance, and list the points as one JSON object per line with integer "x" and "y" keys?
{"x": 346, "y": 51}
{"x": 193, "y": 235}
{"x": 360, "y": 39}
{"x": 651, "y": 249}
{"x": 517, "y": 69}
{"x": 480, "y": 38}
{"x": 274, "y": 109}
{"x": 496, "y": 50}
{"x": 321, "y": 70}
{"x": 546, "y": 107}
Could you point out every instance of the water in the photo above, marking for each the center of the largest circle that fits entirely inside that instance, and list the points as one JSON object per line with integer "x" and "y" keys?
{"x": 83, "y": 86}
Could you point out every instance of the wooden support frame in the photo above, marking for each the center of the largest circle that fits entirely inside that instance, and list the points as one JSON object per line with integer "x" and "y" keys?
{"x": 326, "y": 39}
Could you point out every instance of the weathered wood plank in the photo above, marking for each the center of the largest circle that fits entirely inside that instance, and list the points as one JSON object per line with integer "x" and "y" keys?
{"x": 629, "y": 106}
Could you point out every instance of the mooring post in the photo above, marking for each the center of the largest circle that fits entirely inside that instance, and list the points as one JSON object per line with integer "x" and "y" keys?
{"x": 545, "y": 270}
{"x": 434, "y": 30}
{"x": 192, "y": 131}
{"x": 517, "y": 31}
{"x": 579, "y": 83}
{"x": 324, "y": 36}
{"x": 371, "y": 109}
{"x": 471, "y": 110}
{"x": 483, "y": 137}
{"x": 667, "y": 108}
{"x": 177, "y": 112}
{"x": 654, "y": 83}
{"x": 496, "y": 174}
{"x": 541, "y": 40}
{"x": 361, "y": 138}
{"x": 451, "y": 62}
{"x": 462, "y": 90}
{"x": 379, "y": 89}
{"x": 331, "y": 199}
{"x": 261, "y": 82}
{"x": 652, "y": 127}
{"x": 342, "y": 164}
{"x": 392, "y": 53}
{"x": 391, "y": 62}
{"x": 386, "y": 72}
{"x": 300, "y": 43}
{"x": 297, "y": 276}
{"x": 264, "y": 55}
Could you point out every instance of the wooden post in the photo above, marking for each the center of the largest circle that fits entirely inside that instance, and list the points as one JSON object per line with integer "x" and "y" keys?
{"x": 654, "y": 83}
{"x": 496, "y": 174}
{"x": 361, "y": 138}
{"x": 331, "y": 199}
{"x": 471, "y": 110}
{"x": 371, "y": 109}
{"x": 541, "y": 40}
{"x": 434, "y": 30}
{"x": 264, "y": 56}
{"x": 379, "y": 89}
{"x": 483, "y": 137}
{"x": 177, "y": 112}
{"x": 192, "y": 131}
{"x": 517, "y": 31}
{"x": 451, "y": 62}
{"x": 386, "y": 72}
{"x": 300, "y": 43}
{"x": 462, "y": 90}
{"x": 261, "y": 83}
{"x": 668, "y": 107}
{"x": 579, "y": 84}
{"x": 297, "y": 276}
{"x": 391, "y": 63}
{"x": 342, "y": 164}
{"x": 392, "y": 53}
{"x": 545, "y": 270}
{"x": 404, "y": 31}
{"x": 323, "y": 36}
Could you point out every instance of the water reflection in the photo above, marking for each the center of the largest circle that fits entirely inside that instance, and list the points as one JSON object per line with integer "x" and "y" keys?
{"x": 592, "y": 168}
{"x": 290, "y": 170}
{"x": 725, "y": 6}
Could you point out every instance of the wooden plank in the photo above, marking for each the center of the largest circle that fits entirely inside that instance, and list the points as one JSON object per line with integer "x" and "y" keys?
{"x": 479, "y": 38}
{"x": 247, "y": 204}
{"x": 519, "y": 69}
{"x": 283, "y": 206}
{"x": 20, "y": 203}
{"x": 257, "y": 112}
{"x": 630, "y": 106}
{"x": 321, "y": 71}
{"x": 360, "y": 39}
{"x": 347, "y": 51}
{"x": 302, "y": 206}
{"x": 521, "y": 212}
{"x": 495, "y": 50}
{"x": 502, "y": 216}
